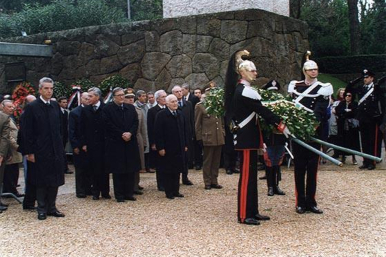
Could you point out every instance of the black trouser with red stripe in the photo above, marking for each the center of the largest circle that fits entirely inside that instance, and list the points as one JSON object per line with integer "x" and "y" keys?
{"x": 306, "y": 162}
{"x": 247, "y": 205}
{"x": 369, "y": 137}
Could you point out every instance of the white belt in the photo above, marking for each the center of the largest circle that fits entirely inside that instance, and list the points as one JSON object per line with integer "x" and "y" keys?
{"x": 246, "y": 120}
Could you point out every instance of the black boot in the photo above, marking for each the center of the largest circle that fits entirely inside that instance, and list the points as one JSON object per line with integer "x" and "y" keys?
{"x": 277, "y": 177}
{"x": 270, "y": 180}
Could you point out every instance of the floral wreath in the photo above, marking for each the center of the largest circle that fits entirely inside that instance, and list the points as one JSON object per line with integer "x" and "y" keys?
{"x": 19, "y": 94}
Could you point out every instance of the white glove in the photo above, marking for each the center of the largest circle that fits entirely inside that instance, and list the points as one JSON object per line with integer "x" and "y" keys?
{"x": 287, "y": 132}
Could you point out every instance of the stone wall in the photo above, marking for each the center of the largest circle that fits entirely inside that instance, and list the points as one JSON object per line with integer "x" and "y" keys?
{"x": 161, "y": 53}
{"x": 177, "y": 8}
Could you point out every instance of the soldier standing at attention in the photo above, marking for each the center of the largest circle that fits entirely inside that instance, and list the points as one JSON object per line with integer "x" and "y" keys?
{"x": 243, "y": 105}
{"x": 313, "y": 96}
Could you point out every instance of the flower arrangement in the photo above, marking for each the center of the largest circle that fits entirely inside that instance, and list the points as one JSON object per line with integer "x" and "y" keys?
{"x": 214, "y": 102}
{"x": 111, "y": 82}
{"x": 61, "y": 89}
{"x": 84, "y": 84}
{"x": 19, "y": 94}
{"x": 300, "y": 122}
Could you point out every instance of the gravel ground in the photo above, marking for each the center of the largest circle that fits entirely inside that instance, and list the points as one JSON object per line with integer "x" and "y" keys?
{"x": 204, "y": 223}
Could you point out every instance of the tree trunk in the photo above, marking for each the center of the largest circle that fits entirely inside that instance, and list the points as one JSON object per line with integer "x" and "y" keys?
{"x": 354, "y": 26}
{"x": 295, "y": 6}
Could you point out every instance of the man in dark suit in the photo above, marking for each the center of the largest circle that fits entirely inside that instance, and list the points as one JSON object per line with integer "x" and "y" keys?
{"x": 43, "y": 146}
{"x": 93, "y": 142}
{"x": 82, "y": 174}
{"x": 195, "y": 153}
{"x": 122, "y": 154}
{"x": 160, "y": 97}
{"x": 171, "y": 142}
{"x": 62, "y": 101}
{"x": 187, "y": 110}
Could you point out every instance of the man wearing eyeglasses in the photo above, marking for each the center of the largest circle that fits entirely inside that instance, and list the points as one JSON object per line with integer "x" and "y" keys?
{"x": 122, "y": 155}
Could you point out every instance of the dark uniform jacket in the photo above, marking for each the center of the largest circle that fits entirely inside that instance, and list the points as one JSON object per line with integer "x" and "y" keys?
{"x": 42, "y": 136}
{"x": 121, "y": 156}
{"x": 317, "y": 100}
{"x": 208, "y": 128}
{"x": 171, "y": 135}
{"x": 372, "y": 107}
{"x": 188, "y": 112}
{"x": 246, "y": 100}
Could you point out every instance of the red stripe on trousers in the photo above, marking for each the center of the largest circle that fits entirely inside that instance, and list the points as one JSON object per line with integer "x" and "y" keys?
{"x": 244, "y": 186}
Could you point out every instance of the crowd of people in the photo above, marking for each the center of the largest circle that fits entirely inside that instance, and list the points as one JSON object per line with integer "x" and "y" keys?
{"x": 170, "y": 134}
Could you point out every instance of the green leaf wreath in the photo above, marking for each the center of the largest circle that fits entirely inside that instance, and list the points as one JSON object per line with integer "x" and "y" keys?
{"x": 60, "y": 89}
{"x": 300, "y": 122}
{"x": 112, "y": 82}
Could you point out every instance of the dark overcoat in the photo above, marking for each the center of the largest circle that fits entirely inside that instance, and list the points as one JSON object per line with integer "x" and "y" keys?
{"x": 151, "y": 114}
{"x": 42, "y": 136}
{"x": 121, "y": 156}
{"x": 74, "y": 136}
{"x": 93, "y": 136}
{"x": 171, "y": 135}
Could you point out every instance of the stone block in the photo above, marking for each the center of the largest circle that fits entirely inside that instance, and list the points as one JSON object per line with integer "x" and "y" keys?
{"x": 203, "y": 43}
{"x": 233, "y": 31}
{"x": 220, "y": 49}
{"x": 206, "y": 63}
{"x": 152, "y": 41}
{"x": 131, "y": 72}
{"x": 179, "y": 66}
{"x": 196, "y": 80}
{"x": 153, "y": 63}
{"x": 110, "y": 64}
{"x": 171, "y": 42}
{"x": 132, "y": 37}
{"x": 131, "y": 53}
{"x": 162, "y": 81}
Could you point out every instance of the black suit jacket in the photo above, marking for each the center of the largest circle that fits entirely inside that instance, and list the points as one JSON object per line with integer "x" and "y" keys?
{"x": 187, "y": 111}
{"x": 64, "y": 126}
{"x": 151, "y": 114}
{"x": 74, "y": 135}
{"x": 171, "y": 136}
{"x": 193, "y": 100}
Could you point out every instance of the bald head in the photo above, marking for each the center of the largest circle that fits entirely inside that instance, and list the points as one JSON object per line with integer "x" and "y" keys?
{"x": 177, "y": 91}
{"x": 30, "y": 98}
{"x": 85, "y": 98}
{"x": 171, "y": 102}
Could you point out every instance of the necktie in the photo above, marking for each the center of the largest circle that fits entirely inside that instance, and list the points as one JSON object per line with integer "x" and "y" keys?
{"x": 180, "y": 103}
{"x": 174, "y": 113}
{"x": 95, "y": 108}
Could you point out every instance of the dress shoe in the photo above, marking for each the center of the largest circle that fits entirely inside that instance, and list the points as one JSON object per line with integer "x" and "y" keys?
{"x": 81, "y": 196}
{"x": 137, "y": 192}
{"x": 278, "y": 191}
{"x": 371, "y": 167}
{"x": 106, "y": 196}
{"x": 143, "y": 171}
{"x": 251, "y": 221}
{"x": 68, "y": 172}
{"x": 229, "y": 172}
{"x": 216, "y": 186}
{"x": 120, "y": 200}
{"x": 3, "y": 208}
{"x": 140, "y": 187}
{"x": 95, "y": 197}
{"x": 187, "y": 182}
{"x": 170, "y": 197}
{"x": 263, "y": 177}
{"x": 300, "y": 210}
{"x": 130, "y": 198}
{"x": 56, "y": 213}
{"x": 363, "y": 167}
{"x": 315, "y": 209}
{"x": 151, "y": 170}
{"x": 208, "y": 187}
{"x": 178, "y": 195}
{"x": 354, "y": 161}
{"x": 261, "y": 217}
{"x": 42, "y": 216}
{"x": 270, "y": 191}
{"x": 198, "y": 167}
{"x": 4, "y": 204}
{"x": 161, "y": 189}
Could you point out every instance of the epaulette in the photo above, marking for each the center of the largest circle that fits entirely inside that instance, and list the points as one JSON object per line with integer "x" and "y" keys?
{"x": 326, "y": 89}
{"x": 291, "y": 85}
{"x": 251, "y": 93}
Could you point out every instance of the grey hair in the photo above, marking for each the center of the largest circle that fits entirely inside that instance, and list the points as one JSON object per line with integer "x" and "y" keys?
{"x": 186, "y": 86}
{"x": 116, "y": 90}
{"x": 169, "y": 97}
{"x": 6, "y": 101}
{"x": 139, "y": 93}
{"x": 157, "y": 93}
{"x": 95, "y": 91}
{"x": 175, "y": 88}
{"x": 45, "y": 80}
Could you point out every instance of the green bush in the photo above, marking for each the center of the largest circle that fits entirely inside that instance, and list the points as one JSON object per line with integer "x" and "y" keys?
{"x": 113, "y": 82}
{"x": 59, "y": 15}
{"x": 351, "y": 64}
